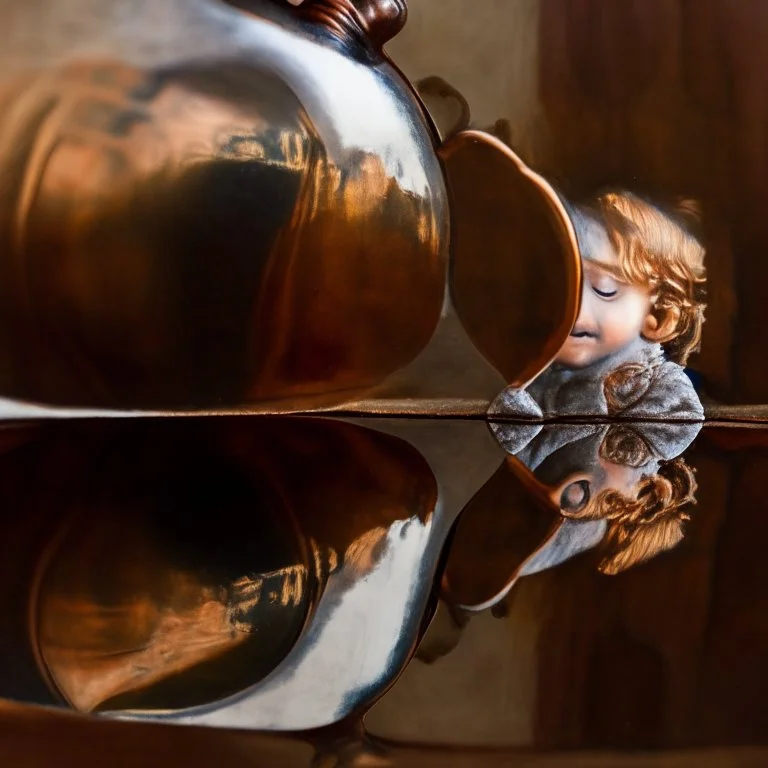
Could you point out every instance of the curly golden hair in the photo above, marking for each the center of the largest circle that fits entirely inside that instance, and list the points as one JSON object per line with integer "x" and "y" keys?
{"x": 650, "y": 521}
{"x": 658, "y": 250}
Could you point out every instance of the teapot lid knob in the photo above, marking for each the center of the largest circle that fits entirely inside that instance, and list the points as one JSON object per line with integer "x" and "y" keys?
{"x": 376, "y": 21}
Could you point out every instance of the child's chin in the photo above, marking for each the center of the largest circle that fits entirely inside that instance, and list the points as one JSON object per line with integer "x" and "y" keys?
{"x": 575, "y": 358}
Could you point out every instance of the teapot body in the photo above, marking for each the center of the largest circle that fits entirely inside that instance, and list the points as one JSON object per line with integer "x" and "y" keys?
{"x": 205, "y": 206}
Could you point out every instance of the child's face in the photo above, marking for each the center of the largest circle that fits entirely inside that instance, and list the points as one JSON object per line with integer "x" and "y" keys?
{"x": 575, "y": 491}
{"x": 613, "y": 313}
{"x": 577, "y": 473}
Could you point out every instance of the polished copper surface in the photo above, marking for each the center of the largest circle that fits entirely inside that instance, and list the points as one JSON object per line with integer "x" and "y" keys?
{"x": 514, "y": 218}
{"x": 209, "y": 222}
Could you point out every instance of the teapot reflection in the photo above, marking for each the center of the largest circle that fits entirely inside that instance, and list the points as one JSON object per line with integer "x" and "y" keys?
{"x": 131, "y": 599}
{"x": 621, "y": 490}
{"x": 195, "y": 560}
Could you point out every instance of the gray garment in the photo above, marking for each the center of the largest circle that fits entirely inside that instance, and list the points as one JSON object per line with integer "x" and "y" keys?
{"x": 533, "y": 443}
{"x": 659, "y": 389}
{"x": 664, "y": 441}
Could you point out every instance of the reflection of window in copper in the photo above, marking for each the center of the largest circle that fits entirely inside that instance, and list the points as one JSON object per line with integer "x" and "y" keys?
{"x": 363, "y": 191}
{"x": 178, "y": 642}
{"x": 284, "y": 587}
{"x": 182, "y": 236}
{"x": 168, "y": 641}
{"x": 362, "y": 554}
{"x": 358, "y": 240}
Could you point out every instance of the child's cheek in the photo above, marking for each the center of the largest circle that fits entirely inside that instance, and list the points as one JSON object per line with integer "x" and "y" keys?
{"x": 623, "y": 320}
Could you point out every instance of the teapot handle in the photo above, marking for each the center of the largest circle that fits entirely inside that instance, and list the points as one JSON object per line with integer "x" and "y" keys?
{"x": 373, "y": 21}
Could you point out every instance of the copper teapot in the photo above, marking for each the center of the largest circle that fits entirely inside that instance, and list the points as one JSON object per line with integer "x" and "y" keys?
{"x": 259, "y": 572}
{"x": 246, "y": 205}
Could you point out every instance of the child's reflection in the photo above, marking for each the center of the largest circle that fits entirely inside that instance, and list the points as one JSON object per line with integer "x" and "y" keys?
{"x": 619, "y": 489}
{"x": 642, "y": 311}
{"x": 630, "y": 477}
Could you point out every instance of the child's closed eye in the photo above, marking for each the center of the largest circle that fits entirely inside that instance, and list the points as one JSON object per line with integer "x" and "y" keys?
{"x": 605, "y": 286}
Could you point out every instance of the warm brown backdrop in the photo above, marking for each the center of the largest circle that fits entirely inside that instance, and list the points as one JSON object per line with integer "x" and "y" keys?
{"x": 667, "y": 97}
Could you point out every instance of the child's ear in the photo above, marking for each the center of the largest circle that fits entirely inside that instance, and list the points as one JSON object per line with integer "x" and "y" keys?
{"x": 660, "y": 325}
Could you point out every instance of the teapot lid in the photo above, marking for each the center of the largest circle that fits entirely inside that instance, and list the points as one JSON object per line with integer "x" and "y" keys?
{"x": 374, "y": 21}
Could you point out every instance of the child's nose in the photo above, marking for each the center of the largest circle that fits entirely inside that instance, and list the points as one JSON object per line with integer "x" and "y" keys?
{"x": 586, "y": 318}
